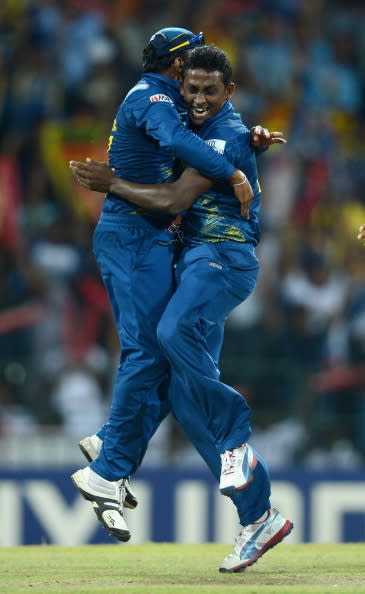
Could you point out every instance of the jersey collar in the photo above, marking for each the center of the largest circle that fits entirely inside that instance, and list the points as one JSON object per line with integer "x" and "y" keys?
{"x": 165, "y": 79}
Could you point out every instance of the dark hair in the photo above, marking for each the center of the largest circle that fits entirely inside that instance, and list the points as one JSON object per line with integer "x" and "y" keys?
{"x": 210, "y": 58}
{"x": 152, "y": 63}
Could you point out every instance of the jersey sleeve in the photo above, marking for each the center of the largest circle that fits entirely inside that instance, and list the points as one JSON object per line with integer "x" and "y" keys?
{"x": 238, "y": 149}
{"x": 161, "y": 120}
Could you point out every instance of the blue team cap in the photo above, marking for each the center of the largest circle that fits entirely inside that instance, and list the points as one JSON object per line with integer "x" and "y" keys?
{"x": 172, "y": 39}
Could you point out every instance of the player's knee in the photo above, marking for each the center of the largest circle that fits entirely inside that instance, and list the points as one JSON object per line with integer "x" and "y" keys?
{"x": 170, "y": 334}
{"x": 166, "y": 333}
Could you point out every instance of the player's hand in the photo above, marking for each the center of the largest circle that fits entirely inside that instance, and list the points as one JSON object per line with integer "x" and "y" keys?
{"x": 361, "y": 234}
{"x": 243, "y": 191}
{"x": 93, "y": 175}
{"x": 262, "y": 138}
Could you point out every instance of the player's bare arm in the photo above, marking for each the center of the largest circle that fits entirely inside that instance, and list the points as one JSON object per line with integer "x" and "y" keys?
{"x": 176, "y": 197}
{"x": 169, "y": 198}
{"x": 243, "y": 191}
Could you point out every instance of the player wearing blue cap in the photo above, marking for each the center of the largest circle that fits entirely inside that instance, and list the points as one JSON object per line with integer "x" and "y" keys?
{"x": 216, "y": 270}
{"x": 134, "y": 249}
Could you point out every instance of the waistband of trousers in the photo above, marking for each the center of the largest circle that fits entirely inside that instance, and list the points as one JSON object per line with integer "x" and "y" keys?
{"x": 134, "y": 221}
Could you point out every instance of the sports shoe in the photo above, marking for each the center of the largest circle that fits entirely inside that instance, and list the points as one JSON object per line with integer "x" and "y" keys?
{"x": 237, "y": 469}
{"x": 255, "y": 539}
{"x": 90, "y": 447}
{"x": 107, "y": 500}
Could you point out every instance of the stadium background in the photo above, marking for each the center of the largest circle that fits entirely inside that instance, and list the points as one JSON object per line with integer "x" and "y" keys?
{"x": 295, "y": 348}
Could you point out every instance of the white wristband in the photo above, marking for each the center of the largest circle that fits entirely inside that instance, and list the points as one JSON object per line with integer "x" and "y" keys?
{"x": 241, "y": 183}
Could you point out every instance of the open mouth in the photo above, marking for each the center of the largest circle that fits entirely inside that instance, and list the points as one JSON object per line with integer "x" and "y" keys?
{"x": 199, "y": 112}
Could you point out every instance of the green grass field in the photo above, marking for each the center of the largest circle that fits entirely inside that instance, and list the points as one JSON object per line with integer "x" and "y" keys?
{"x": 165, "y": 568}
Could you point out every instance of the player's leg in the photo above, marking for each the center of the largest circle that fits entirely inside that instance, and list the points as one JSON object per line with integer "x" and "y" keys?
{"x": 91, "y": 445}
{"x": 260, "y": 526}
{"x": 138, "y": 275}
{"x": 251, "y": 502}
{"x": 202, "y": 300}
{"x": 139, "y": 279}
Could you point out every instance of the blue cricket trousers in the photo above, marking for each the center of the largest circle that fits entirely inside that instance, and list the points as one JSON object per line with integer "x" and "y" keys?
{"x": 212, "y": 279}
{"x": 137, "y": 271}
{"x": 136, "y": 264}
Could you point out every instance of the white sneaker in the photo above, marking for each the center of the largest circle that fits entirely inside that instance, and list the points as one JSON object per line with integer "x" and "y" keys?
{"x": 237, "y": 469}
{"x": 255, "y": 539}
{"x": 107, "y": 500}
{"x": 90, "y": 447}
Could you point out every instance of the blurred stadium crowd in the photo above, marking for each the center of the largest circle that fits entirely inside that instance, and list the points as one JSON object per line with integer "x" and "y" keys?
{"x": 296, "y": 348}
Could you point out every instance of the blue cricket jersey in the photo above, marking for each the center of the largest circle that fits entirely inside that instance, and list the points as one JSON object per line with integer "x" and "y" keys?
{"x": 215, "y": 216}
{"x": 147, "y": 140}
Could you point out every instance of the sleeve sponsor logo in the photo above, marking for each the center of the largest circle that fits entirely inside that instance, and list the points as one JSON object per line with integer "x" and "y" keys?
{"x": 217, "y": 145}
{"x": 216, "y": 265}
{"x": 165, "y": 98}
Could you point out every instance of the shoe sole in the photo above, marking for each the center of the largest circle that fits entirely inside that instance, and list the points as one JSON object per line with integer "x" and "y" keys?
{"x": 130, "y": 501}
{"x": 234, "y": 488}
{"x": 279, "y": 536}
{"x": 78, "y": 481}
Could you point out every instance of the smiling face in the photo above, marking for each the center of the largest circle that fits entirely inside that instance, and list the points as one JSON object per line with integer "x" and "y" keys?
{"x": 205, "y": 93}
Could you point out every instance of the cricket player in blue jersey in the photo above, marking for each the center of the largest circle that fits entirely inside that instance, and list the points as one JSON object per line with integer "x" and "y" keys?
{"x": 216, "y": 271}
{"x": 134, "y": 249}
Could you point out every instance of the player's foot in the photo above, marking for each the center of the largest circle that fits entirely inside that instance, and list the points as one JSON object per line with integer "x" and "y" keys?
{"x": 107, "y": 500}
{"x": 237, "y": 469}
{"x": 90, "y": 447}
{"x": 255, "y": 539}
